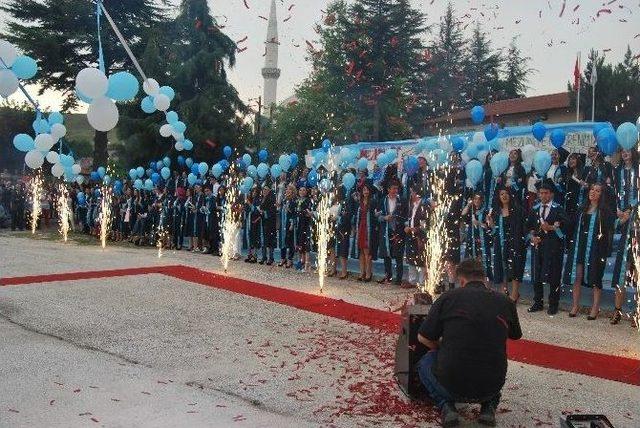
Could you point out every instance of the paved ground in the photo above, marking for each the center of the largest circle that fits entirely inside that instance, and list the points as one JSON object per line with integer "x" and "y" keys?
{"x": 151, "y": 350}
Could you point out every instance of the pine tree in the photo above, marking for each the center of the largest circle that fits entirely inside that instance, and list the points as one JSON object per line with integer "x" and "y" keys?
{"x": 481, "y": 70}
{"x": 62, "y": 36}
{"x": 516, "y": 72}
{"x": 446, "y": 55}
{"x": 207, "y": 102}
{"x": 630, "y": 65}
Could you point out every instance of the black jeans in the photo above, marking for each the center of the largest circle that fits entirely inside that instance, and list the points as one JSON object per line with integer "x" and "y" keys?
{"x": 399, "y": 267}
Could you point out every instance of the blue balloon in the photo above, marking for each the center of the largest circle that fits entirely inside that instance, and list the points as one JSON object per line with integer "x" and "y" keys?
{"x": 312, "y": 178}
{"x": 216, "y": 170}
{"x": 542, "y": 162}
{"x": 285, "y": 162}
{"x": 117, "y": 184}
{"x": 140, "y": 172}
{"x": 168, "y": 91}
{"x": 172, "y": 117}
{"x": 191, "y": 178}
{"x": 473, "y": 170}
{"x": 155, "y": 178}
{"x": 491, "y": 131}
{"x": 326, "y": 145}
{"x": 123, "y": 86}
{"x": 263, "y": 170}
{"x": 81, "y": 198}
{"x": 252, "y": 171}
{"x": 411, "y": 165}
{"x": 24, "y": 142}
{"x": 318, "y": 158}
{"x": 41, "y": 126}
{"x": 158, "y": 166}
{"x": 195, "y": 169}
{"x": 247, "y": 182}
{"x": 152, "y": 164}
{"x": 494, "y": 145}
{"x": 24, "y": 67}
{"x": 499, "y": 163}
{"x": 179, "y": 127}
{"x": 187, "y": 144}
{"x": 348, "y": 181}
{"x": 276, "y": 170}
{"x": 224, "y": 164}
{"x": 101, "y": 171}
{"x": 165, "y": 172}
{"x": 166, "y": 161}
{"x": 539, "y": 130}
{"x": 188, "y": 162}
{"x": 627, "y": 135}
{"x": 607, "y": 141}
{"x": 138, "y": 184}
{"x": 294, "y": 160}
{"x": 262, "y": 155}
{"x": 227, "y": 151}
{"x": 55, "y": 117}
{"x": 147, "y": 105}
{"x": 557, "y": 138}
{"x": 477, "y": 114}
{"x": 148, "y": 185}
{"x": 149, "y": 172}
{"x": 246, "y": 159}
{"x": 67, "y": 161}
{"x": 363, "y": 163}
{"x": 94, "y": 176}
{"x": 203, "y": 168}
{"x": 599, "y": 127}
{"x": 458, "y": 144}
{"x": 473, "y": 150}
{"x": 181, "y": 160}
{"x": 133, "y": 174}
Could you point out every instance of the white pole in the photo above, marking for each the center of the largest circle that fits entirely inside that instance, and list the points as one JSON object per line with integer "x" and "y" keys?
{"x": 593, "y": 102}
{"x": 579, "y": 90}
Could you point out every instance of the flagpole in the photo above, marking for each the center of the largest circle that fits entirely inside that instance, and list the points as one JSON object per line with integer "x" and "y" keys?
{"x": 594, "y": 79}
{"x": 579, "y": 90}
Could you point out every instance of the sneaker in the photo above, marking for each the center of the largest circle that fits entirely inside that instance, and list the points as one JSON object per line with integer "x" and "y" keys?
{"x": 487, "y": 415}
{"x": 449, "y": 416}
{"x": 536, "y": 307}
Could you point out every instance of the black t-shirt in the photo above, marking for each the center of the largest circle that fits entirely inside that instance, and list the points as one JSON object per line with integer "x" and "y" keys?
{"x": 474, "y": 324}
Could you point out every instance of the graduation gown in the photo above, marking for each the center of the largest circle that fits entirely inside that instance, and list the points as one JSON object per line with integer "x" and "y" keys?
{"x": 366, "y": 227}
{"x": 626, "y": 186}
{"x": 624, "y": 255}
{"x": 547, "y": 257}
{"x": 479, "y": 239}
{"x": 178, "y": 223}
{"x": 303, "y": 225}
{"x": 416, "y": 240}
{"x": 391, "y": 233}
{"x": 286, "y": 234}
{"x": 269, "y": 217}
{"x": 253, "y": 226}
{"x": 343, "y": 227}
{"x": 590, "y": 246}
{"x": 508, "y": 246}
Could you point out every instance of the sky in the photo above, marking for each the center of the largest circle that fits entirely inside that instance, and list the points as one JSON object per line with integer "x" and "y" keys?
{"x": 551, "y": 32}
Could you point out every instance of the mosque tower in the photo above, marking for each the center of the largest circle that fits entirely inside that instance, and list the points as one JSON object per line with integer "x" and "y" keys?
{"x": 271, "y": 72}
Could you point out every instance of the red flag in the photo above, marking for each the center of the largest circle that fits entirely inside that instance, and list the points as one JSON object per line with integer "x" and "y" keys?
{"x": 576, "y": 75}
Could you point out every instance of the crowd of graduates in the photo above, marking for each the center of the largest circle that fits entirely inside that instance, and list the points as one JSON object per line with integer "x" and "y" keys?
{"x": 565, "y": 222}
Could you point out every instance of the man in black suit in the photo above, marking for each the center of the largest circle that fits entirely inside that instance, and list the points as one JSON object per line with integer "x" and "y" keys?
{"x": 269, "y": 213}
{"x": 392, "y": 214}
{"x": 547, "y": 223}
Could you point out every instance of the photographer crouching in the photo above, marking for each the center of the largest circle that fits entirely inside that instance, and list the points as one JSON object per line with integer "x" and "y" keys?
{"x": 467, "y": 331}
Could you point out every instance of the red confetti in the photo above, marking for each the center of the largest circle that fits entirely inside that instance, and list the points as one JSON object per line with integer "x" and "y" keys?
{"x": 244, "y": 39}
{"x": 95, "y": 420}
{"x": 291, "y": 7}
{"x": 564, "y": 5}
{"x": 246, "y": 4}
{"x": 262, "y": 17}
{"x": 77, "y": 390}
{"x": 576, "y": 8}
{"x": 601, "y": 11}
{"x": 14, "y": 410}
{"x": 287, "y": 18}
{"x": 51, "y": 402}
{"x": 243, "y": 49}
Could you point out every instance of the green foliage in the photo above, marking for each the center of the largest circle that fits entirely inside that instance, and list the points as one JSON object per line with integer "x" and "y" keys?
{"x": 15, "y": 119}
{"x": 481, "y": 68}
{"x": 515, "y": 71}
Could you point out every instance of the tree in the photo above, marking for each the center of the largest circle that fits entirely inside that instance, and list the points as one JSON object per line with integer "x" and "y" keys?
{"x": 16, "y": 119}
{"x": 62, "y": 36}
{"x": 515, "y": 73}
{"x": 481, "y": 70}
{"x": 206, "y": 101}
{"x": 446, "y": 55}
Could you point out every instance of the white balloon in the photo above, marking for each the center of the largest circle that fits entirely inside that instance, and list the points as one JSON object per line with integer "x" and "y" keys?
{"x": 161, "y": 102}
{"x": 151, "y": 87}
{"x": 76, "y": 168}
{"x": 465, "y": 157}
{"x": 44, "y": 142}
{"x": 92, "y": 82}
{"x": 103, "y": 114}
{"x": 34, "y": 159}
{"x": 528, "y": 152}
{"x": 177, "y": 136}
{"x": 482, "y": 157}
{"x": 53, "y": 157}
{"x": 57, "y": 170}
{"x": 79, "y": 179}
{"x": 166, "y": 130}
{"x": 58, "y": 131}
{"x": 8, "y": 53}
{"x": 8, "y": 83}
{"x": 479, "y": 137}
{"x": 179, "y": 146}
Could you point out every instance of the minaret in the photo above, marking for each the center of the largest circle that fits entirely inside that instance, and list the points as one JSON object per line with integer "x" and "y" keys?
{"x": 271, "y": 72}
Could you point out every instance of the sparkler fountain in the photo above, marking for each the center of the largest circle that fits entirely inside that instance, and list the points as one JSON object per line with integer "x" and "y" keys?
{"x": 230, "y": 221}
{"x": 105, "y": 214}
{"x": 64, "y": 213}
{"x": 437, "y": 240}
{"x": 324, "y": 222}
{"x": 35, "y": 194}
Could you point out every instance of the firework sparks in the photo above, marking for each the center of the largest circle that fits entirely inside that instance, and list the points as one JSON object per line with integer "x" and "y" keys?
{"x": 64, "y": 213}
{"x": 105, "y": 214}
{"x": 36, "y": 190}
{"x": 161, "y": 234}
{"x": 437, "y": 241}
{"x": 230, "y": 221}
{"x": 324, "y": 224}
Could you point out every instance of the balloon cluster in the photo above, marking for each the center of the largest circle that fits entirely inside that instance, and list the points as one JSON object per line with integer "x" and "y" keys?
{"x": 101, "y": 93}
{"x": 14, "y": 67}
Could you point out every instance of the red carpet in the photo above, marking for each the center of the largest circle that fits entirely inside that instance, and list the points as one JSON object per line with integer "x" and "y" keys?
{"x": 621, "y": 369}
